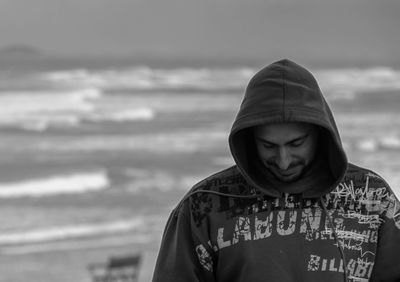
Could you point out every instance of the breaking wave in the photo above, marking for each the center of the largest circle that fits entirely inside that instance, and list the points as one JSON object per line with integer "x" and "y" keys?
{"x": 383, "y": 143}
{"x": 55, "y": 185}
{"x": 40, "y": 110}
{"x": 347, "y": 83}
{"x": 145, "y": 78}
{"x": 68, "y": 232}
{"x": 341, "y": 82}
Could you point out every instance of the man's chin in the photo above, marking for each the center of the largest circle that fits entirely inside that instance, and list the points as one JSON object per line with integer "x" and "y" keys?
{"x": 287, "y": 179}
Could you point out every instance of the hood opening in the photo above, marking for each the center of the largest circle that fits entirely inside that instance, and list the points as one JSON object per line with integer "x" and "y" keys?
{"x": 323, "y": 174}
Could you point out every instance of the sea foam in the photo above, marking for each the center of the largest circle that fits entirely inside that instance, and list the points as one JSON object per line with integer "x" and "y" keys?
{"x": 346, "y": 83}
{"x": 145, "y": 78}
{"x": 184, "y": 142}
{"x": 381, "y": 143}
{"x": 143, "y": 113}
{"x": 37, "y": 110}
{"x": 55, "y": 185}
{"x": 69, "y": 231}
{"x": 79, "y": 244}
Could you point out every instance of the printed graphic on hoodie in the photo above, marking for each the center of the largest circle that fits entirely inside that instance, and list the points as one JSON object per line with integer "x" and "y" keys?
{"x": 355, "y": 209}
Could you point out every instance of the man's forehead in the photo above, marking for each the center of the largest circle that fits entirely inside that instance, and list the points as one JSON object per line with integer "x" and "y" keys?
{"x": 290, "y": 129}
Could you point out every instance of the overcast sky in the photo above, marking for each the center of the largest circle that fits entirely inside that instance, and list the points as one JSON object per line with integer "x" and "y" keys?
{"x": 230, "y": 28}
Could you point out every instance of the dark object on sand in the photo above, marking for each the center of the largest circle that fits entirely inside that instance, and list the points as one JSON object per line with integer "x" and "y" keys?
{"x": 124, "y": 268}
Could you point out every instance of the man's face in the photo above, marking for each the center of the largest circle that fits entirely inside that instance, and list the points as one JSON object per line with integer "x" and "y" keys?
{"x": 286, "y": 149}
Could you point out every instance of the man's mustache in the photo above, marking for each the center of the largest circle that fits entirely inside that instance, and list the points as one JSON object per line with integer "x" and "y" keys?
{"x": 291, "y": 166}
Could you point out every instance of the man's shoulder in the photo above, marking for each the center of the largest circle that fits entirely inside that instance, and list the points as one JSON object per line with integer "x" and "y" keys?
{"x": 358, "y": 174}
{"x": 230, "y": 176}
{"x": 225, "y": 183}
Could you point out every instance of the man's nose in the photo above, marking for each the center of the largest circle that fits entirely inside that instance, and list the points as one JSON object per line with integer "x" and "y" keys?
{"x": 283, "y": 159}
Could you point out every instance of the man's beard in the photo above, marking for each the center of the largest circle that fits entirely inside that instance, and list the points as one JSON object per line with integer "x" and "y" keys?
{"x": 279, "y": 173}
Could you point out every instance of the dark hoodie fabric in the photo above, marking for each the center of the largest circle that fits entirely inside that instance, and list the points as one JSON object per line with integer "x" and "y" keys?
{"x": 238, "y": 226}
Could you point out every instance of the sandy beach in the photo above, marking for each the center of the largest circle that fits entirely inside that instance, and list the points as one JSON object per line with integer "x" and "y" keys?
{"x": 71, "y": 265}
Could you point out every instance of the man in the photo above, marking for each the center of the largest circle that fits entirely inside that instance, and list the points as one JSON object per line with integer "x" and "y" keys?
{"x": 292, "y": 208}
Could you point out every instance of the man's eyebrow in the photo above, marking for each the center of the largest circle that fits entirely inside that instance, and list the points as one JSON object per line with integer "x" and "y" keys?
{"x": 287, "y": 143}
{"x": 299, "y": 138}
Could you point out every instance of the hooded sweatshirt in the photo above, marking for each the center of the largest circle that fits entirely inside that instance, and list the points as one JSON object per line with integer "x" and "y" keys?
{"x": 238, "y": 226}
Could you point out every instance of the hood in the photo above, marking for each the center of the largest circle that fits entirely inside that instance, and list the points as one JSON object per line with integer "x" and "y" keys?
{"x": 280, "y": 93}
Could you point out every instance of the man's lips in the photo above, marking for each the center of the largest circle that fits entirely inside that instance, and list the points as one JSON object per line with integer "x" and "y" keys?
{"x": 286, "y": 173}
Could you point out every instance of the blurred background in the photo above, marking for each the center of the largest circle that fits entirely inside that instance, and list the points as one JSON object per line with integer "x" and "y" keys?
{"x": 111, "y": 110}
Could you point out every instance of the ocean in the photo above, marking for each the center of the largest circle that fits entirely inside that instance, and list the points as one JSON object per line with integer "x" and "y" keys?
{"x": 96, "y": 157}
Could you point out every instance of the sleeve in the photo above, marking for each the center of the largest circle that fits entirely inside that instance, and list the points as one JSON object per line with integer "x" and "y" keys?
{"x": 387, "y": 263}
{"x": 183, "y": 257}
